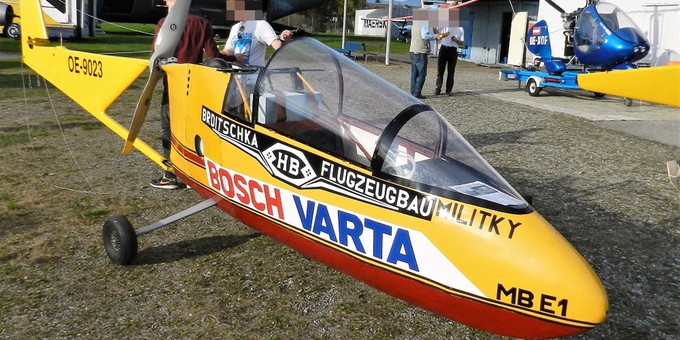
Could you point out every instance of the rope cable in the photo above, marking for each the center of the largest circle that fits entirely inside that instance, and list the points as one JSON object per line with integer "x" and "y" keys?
{"x": 31, "y": 140}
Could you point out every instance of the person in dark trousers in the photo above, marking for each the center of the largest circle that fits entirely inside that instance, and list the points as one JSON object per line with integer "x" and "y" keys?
{"x": 448, "y": 57}
{"x": 198, "y": 37}
{"x": 422, "y": 34}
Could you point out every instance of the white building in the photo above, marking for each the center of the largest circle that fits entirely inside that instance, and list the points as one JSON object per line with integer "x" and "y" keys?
{"x": 488, "y": 31}
{"x": 372, "y": 23}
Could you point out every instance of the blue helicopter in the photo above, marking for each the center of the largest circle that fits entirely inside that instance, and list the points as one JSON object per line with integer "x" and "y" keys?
{"x": 602, "y": 37}
{"x": 598, "y": 37}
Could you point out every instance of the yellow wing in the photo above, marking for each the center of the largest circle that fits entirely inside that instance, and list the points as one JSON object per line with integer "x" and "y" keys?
{"x": 94, "y": 81}
{"x": 659, "y": 85}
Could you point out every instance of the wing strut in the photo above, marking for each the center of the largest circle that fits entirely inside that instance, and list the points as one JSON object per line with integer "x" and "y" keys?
{"x": 176, "y": 217}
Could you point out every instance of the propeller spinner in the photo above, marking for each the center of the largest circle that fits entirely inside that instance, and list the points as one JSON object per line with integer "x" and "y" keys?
{"x": 165, "y": 45}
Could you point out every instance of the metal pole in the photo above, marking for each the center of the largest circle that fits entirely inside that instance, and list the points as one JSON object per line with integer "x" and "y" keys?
{"x": 176, "y": 217}
{"x": 81, "y": 18}
{"x": 95, "y": 21}
{"x": 344, "y": 22}
{"x": 389, "y": 33}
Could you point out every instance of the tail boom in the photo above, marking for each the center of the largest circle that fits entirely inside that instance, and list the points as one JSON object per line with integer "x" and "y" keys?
{"x": 94, "y": 81}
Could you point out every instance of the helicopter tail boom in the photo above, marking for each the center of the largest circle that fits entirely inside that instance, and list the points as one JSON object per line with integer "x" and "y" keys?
{"x": 94, "y": 81}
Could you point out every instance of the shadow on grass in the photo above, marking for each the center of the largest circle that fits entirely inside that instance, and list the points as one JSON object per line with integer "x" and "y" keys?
{"x": 12, "y": 63}
{"x": 190, "y": 248}
{"x": 43, "y": 127}
{"x": 11, "y": 81}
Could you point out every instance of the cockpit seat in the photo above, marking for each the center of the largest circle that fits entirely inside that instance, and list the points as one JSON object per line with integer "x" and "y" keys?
{"x": 287, "y": 106}
{"x": 216, "y": 63}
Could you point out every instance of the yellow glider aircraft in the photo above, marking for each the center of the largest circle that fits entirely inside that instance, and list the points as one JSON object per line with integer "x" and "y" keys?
{"x": 381, "y": 188}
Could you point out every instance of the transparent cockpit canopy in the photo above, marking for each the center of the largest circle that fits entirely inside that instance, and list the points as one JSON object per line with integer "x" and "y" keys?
{"x": 619, "y": 23}
{"x": 316, "y": 95}
{"x": 429, "y": 153}
{"x": 312, "y": 80}
{"x": 590, "y": 35}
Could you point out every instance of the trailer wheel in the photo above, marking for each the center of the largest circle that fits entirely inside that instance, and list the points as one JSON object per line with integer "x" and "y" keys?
{"x": 533, "y": 88}
{"x": 13, "y": 31}
{"x": 598, "y": 94}
{"x": 628, "y": 102}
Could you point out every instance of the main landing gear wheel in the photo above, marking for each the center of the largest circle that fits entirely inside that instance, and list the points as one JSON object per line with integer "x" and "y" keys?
{"x": 120, "y": 240}
{"x": 533, "y": 88}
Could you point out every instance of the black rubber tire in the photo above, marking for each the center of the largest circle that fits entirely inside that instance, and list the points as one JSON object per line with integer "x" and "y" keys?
{"x": 599, "y": 94}
{"x": 120, "y": 240}
{"x": 533, "y": 88}
{"x": 627, "y": 102}
{"x": 13, "y": 31}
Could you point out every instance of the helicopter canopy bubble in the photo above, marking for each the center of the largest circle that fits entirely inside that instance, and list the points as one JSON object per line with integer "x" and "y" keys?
{"x": 605, "y": 37}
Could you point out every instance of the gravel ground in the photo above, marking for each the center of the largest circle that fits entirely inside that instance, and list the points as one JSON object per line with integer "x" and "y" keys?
{"x": 210, "y": 276}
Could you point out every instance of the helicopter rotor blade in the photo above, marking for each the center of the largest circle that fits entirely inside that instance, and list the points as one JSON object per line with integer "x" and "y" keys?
{"x": 165, "y": 45}
{"x": 555, "y": 6}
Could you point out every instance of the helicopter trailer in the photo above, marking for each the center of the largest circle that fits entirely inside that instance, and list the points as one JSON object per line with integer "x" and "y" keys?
{"x": 535, "y": 81}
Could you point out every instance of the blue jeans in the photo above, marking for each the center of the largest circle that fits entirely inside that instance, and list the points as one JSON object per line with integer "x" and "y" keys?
{"x": 418, "y": 72}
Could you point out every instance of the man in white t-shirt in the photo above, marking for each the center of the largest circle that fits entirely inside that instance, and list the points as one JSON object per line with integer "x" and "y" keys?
{"x": 248, "y": 38}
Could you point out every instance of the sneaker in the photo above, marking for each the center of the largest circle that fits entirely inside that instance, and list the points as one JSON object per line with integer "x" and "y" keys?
{"x": 165, "y": 183}
{"x": 437, "y": 92}
{"x": 420, "y": 96}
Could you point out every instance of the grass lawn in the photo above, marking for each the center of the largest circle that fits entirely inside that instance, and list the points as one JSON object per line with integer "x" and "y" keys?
{"x": 136, "y": 39}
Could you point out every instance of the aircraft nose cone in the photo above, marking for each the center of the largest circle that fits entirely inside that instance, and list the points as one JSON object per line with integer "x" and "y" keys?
{"x": 558, "y": 282}
{"x": 536, "y": 284}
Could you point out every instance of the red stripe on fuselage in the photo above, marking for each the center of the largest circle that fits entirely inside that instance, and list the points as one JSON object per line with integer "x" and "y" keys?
{"x": 187, "y": 153}
{"x": 467, "y": 311}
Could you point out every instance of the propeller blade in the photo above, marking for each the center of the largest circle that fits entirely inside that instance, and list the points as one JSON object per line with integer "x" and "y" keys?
{"x": 171, "y": 31}
{"x": 165, "y": 46}
{"x": 142, "y": 109}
